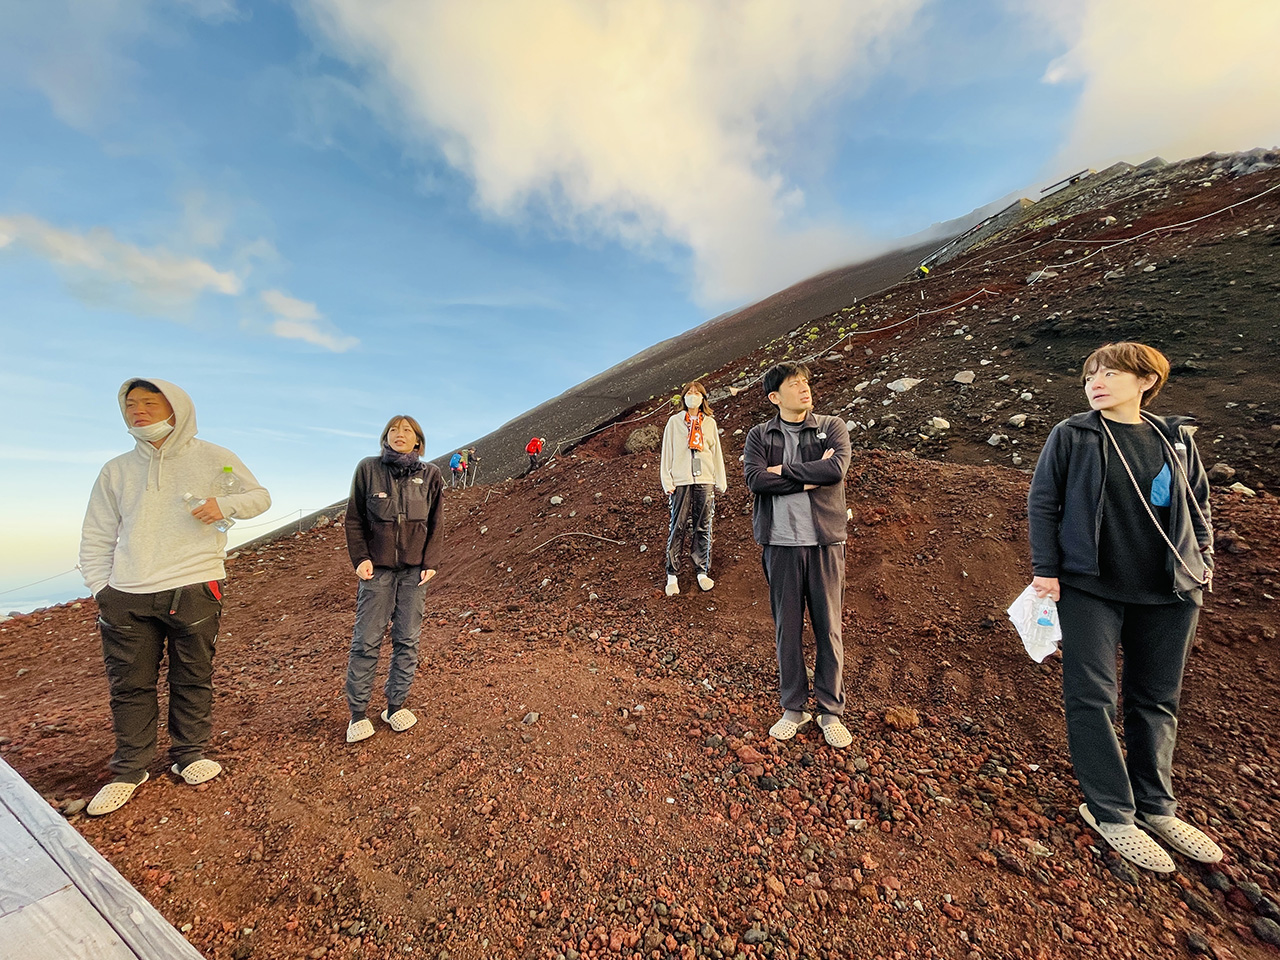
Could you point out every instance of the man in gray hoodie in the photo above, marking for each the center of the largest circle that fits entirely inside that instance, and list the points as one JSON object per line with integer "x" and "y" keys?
{"x": 155, "y": 566}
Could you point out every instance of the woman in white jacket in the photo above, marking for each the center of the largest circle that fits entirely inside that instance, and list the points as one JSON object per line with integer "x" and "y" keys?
{"x": 692, "y": 470}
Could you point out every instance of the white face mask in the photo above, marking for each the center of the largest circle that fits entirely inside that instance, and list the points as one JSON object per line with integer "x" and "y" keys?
{"x": 152, "y": 431}
{"x": 692, "y": 400}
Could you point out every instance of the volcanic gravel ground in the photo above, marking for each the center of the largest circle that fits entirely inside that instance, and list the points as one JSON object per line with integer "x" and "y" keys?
{"x": 645, "y": 811}
{"x": 591, "y": 774}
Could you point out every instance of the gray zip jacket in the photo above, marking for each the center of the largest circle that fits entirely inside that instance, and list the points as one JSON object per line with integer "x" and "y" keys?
{"x": 764, "y": 448}
{"x": 139, "y": 535}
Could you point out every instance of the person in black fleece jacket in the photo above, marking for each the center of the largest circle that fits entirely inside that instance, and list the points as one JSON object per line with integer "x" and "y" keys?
{"x": 394, "y": 529}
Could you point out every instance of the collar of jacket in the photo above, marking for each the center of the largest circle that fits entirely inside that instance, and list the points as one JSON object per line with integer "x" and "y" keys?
{"x": 810, "y": 422}
{"x": 1092, "y": 420}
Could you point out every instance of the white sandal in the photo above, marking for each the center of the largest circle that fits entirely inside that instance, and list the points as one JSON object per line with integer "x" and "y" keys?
{"x": 785, "y": 729}
{"x": 198, "y": 771}
{"x": 1131, "y": 843}
{"x": 835, "y": 732}
{"x": 1183, "y": 837}
{"x": 358, "y": 730}
{"x": 401, "y": 720}
{"x": 113, "y": 796}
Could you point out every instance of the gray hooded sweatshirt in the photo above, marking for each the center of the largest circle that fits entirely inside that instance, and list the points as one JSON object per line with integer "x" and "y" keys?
{"x": 139, "y": 535}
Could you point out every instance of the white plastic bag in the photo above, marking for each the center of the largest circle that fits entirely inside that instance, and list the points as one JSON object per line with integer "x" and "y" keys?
{"x": 1036, "y": 619}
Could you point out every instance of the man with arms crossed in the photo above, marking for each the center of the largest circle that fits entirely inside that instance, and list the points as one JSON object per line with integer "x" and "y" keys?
{"x": 155, "y": 567}
{"x": 795, "y": 464}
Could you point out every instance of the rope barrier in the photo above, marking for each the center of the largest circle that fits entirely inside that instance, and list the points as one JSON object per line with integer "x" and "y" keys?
{"x": 287, "y": 518}
{"x": 1111, "y": 244}
{"x": 852, "y": 333}
{"x": 37, "y": 583}
{"x": 1107, "y": 245}
{"x": 575, "y": 533}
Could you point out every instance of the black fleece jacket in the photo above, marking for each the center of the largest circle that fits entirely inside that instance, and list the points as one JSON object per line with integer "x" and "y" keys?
{"x": 1064, "y": 505}
{"x": 764, "y": 448}
{"x": 395, "y": 520}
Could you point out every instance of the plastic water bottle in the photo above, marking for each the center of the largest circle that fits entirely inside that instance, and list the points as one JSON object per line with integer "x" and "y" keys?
{"x": 227, "y": 483}
{"x": 224, "y": 484}
{"x": 1046, "y": 620}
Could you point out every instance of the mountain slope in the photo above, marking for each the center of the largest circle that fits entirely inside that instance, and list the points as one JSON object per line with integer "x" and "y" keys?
{"x": 644, "y": 811}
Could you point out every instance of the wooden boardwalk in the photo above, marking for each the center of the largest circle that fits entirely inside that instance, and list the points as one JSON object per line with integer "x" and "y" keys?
{"x": 60, "y": 900}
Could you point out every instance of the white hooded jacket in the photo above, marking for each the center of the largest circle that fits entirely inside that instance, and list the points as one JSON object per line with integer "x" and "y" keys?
{"x": 139, "y": 535}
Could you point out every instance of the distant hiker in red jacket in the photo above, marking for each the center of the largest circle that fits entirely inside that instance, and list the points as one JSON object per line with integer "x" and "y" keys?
{"x": 534, "y": 450}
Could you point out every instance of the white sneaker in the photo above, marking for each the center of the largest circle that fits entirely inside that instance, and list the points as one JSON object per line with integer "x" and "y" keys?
{"x": 705, "y": 583}
{"x": 673, "y": 586}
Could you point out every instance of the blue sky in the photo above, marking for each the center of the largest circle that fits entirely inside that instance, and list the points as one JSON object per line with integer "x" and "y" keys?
{"x": 315, "y": 214}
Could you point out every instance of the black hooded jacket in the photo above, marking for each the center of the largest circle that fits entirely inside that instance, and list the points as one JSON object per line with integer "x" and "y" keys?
{"x": 1064, "y": 505}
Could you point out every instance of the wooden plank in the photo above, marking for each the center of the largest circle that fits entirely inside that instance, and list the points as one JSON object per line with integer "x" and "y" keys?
{"x": 62, "y": 926}
{"x": 28, "y": 873}
{"x": 136, "y": 922}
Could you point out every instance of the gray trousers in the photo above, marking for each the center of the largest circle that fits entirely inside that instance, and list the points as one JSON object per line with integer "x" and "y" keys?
{"x": 696, "y": 503}
{"x": 136, "y": 629}
{"x": 391, "y": 595}
{"x": 1156, "y": 640}
{"x": 812, "y": 577}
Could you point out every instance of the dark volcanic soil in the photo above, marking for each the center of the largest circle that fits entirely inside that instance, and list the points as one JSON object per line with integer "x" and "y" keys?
{"x": 644, "y": 812}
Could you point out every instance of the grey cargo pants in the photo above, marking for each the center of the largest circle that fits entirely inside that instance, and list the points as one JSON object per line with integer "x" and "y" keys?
{"x": 812, "y": 577}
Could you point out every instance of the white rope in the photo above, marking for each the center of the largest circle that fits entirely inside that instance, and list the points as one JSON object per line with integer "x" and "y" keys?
{"x": 1146, "y": 233}
{"x": 28, "y": 586}
{"x": 576, "y": 533}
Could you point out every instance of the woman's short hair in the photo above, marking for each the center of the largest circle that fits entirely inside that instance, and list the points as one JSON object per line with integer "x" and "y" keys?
{"x": 413, "y": 424}
{"x": 695, "y": 386}
{"x": 1136, "y": 358}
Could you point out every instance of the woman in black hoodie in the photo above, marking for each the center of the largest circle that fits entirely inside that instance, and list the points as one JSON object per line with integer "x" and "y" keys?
{"x": 1118, "y": 514}
{"x": 393, "y": 536}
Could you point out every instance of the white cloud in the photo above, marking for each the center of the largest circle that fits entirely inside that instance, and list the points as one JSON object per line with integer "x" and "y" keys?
{"x": 641, "y": 120}
{"x": 103, "y": 269}
{"x": 204, "y": 222}
{"x": 357, "y": 434}
{"x": 300, "y": 320}
{"x": 99, "y": 265}
{"x": 77, "y": 52}
{"x": 1172, "y": 77}
{"x": 213, "y": 11}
